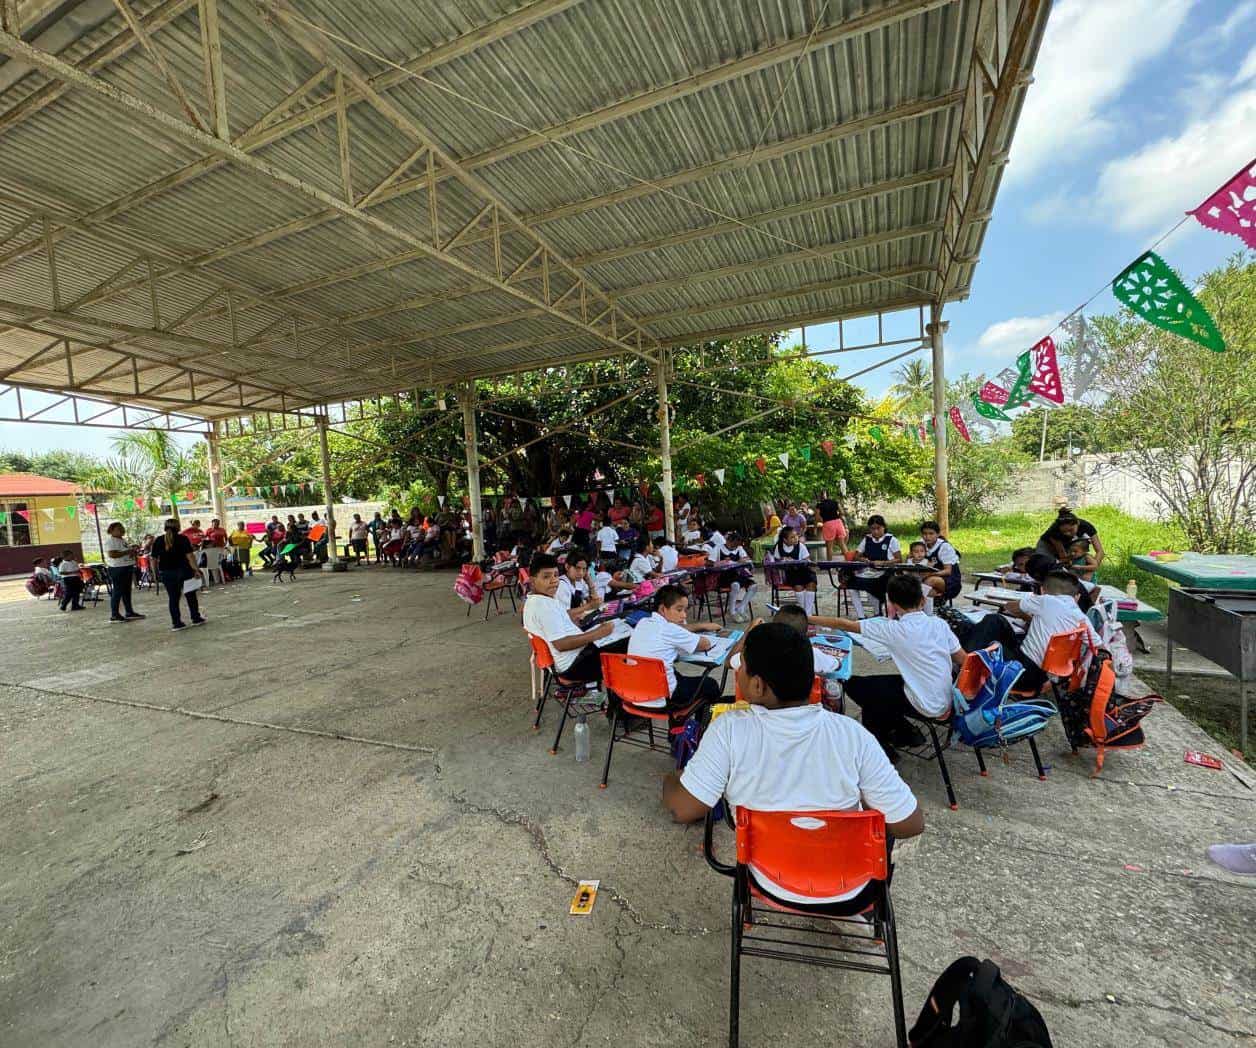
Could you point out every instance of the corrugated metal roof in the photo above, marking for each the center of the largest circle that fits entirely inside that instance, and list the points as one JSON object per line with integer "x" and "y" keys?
{"x": 658, "y": 171}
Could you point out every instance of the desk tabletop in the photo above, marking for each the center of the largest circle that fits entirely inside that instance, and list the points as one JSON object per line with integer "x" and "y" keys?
{"x": 1229, "y": 571}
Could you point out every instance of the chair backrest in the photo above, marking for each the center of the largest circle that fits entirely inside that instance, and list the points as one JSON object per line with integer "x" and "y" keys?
{"x": 1064, "y": 651}
{"x": 544, "y": 657}
{"x": 816, "y": 853}
{"x": 317, "y": 532}
{"x": 706, "y": 582}
{"x": 972, "y": 675}
{"x": 87, "y": 574}
{"x": 816, "y": 697}
{"x": 635, "y": 678}
{"x": 691, "y": 560}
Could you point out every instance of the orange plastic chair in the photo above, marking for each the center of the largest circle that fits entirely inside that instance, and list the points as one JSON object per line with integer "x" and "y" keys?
{"x": 635, "y": 679}
{"x": 815, "y": 854}
{"x": 691, "y": 560}
{"x": 565, "y": 691}
{"x": 317, "y": 532}
{"x": 816, "y": 697}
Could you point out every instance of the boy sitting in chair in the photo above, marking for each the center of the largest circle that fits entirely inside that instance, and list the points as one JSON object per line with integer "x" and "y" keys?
{"x": 785, "y": 754}
{"x": 577, "y": 653}
{"x": 923, "y": 650}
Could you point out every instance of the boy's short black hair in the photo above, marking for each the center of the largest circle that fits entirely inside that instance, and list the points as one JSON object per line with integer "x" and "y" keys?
{"x": 1024, "y": 551}
{"x": 1039, "y": 565}
{"x": 904, "y": 590}
{"x": 36, "y": 562}
{"x": 792, "y": 616}
{"x": 1061, "y": 582}
{"x": 670, "y": 596}
{"x": 577, "y": 557}
{"x": 541, "y": 561}
{"x": 876, "y": 518}
{"x": 1082, "y": 541}
{"x": 641, "y": 544}
{"x": 781, "y": 657}
{"x": 918, "y": 542}
{"x": 563, "y": 531}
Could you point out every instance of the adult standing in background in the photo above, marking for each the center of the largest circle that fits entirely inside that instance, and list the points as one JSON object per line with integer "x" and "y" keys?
{"x": 242, "y": 542}
{"x": 176, "y": 562}
{"x": 832, "y": 525}
{"x": 120, "y": 564}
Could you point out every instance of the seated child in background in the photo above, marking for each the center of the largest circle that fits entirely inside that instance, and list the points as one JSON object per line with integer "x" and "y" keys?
{"x": 560, "y": 541}
{"x": 795, "y": 618}
{"x": 924, "y": 651}
{"x": 573, "y": 584}
{"x": 738, "y": 580}
{"x": 577, "y": 653}
{"x": 790, "y": 554}
{"x": 669, "y": 559}
{"x": 664, "y": 636}
{"x": 1017, "y": 572}
{"x": 39, "y": 571}
{"x": 946, "y": 580}
{"x": 918, "y": 553}
{"x": 608, "y": 581}
{"x": 1081, "y": 560}
{"x": 878, "y": 547}
{"x": 784, "y": 754}
{"x": 643, "y": 565}
{"x": 691, "y": 534}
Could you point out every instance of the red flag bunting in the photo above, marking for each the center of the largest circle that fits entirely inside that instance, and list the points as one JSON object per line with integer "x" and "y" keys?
{"x": 957, "y": 419}
{"x": 827, "y": 447}
{"x": 993, "y": 394}
{"x": 1046, "y": 377}
{"x": 24, "y": 514}
{"x": 91, "y": 508}
{"x": 1232, "y": 208}
{"x": 761, "y": 464}
{"x": 139, "y": 503}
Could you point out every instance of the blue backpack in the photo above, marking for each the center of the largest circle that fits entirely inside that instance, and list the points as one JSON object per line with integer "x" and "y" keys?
{"x": 987, "y": 714}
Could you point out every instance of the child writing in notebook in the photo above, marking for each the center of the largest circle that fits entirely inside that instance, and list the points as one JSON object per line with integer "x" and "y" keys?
{"x": 665, "y": 635}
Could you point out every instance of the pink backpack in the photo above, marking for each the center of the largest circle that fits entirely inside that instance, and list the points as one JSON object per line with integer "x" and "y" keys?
{"x": 646, "y": 588}
{"x": 469, "y": 584}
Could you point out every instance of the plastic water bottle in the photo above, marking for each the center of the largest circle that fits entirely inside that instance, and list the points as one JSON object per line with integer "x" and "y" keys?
{"x": 582, "y": 739}
{"x": 1131, "y": 589}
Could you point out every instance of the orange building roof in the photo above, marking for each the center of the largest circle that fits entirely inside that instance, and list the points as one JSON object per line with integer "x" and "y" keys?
{"x": 19, "y": 484}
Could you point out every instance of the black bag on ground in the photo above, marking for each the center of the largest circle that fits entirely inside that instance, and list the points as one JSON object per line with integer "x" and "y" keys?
{"x": 992, "y": 1014}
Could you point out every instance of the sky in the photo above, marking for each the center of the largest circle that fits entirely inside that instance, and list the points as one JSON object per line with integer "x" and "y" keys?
{"x": 1138, "y": 111}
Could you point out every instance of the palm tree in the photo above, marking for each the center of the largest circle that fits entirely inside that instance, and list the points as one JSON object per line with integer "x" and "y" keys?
{"x": 913, "y": 381}
{"x": 148, "y": 463}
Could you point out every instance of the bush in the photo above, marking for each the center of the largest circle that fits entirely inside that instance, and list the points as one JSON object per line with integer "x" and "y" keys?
{"x": 980, "y": 476}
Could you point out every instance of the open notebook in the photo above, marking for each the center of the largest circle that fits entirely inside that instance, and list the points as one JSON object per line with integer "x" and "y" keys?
{"x": 621, "y": 630}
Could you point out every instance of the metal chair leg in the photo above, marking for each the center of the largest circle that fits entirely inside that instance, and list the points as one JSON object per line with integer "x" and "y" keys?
{"x": 981, "y": 763}
{"x": 1033, "y": 748}
{"x": 734, "y": 974}
{"x": 562, "y": 723}
{"x": 896, "y": 973}
{"x": 946, "y": 775}
{"x": 540, "y": 703}
{"x": 610, "y": 748}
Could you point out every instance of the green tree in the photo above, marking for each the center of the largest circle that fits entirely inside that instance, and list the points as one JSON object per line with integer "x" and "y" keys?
{"x": 979, "y": 477}
{"x": 1075, "y": 425}
{"x": 1186, "y": 416}
{"x": 913, "y": 383}
{"x": 151, "y": 465}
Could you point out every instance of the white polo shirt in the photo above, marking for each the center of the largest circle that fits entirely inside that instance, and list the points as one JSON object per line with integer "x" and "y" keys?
{"x": 565, "y": 594}
{"x": 800, "y": 758}
{"x": 921, "y": 647}
{"x": 546, "y": 618}
{"x": 668, "y": 558}
{"x": 607, "y": 538}
{"x": 943, "y": 551}
{"x": 1052, "y": 613}
{"x": 602, "y": 583}
{"x": 656, "y": 638}
{"x": 113, "y": 545}
{"x": 641, "y": 565}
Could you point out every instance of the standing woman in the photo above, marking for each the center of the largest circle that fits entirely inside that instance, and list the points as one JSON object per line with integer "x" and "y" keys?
{"x": 832, "y": 526}
{"x": 120, "y": 563}
{"x": 175, "y": 561}
{"x": 791, "y": 554}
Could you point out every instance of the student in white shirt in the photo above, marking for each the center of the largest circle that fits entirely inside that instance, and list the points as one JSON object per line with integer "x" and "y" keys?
{"x": 643, "y": 565}
{"x": 784, "y": 754}
{"x": 1054, "y": 611}
{"x": 669, "y": 559}
{"x": 120, "y": 564}
{"x": 878, "y": 547}
{"x": 739, "y": 580}
{"x": 664, "y": 636}
{"x": 691, "y": 533}
{"x": 942, "y": 556}
{"x": 924, "y": 651}
{"x": 560, "y": 542}
{"x": 607, "y": 539}
{"x": 577, "y": 653}
{"x": 71, "y": 584}
{"x": 790, "y": 553}
{"x": 795, "y": 618}
{"x": 573, "y": 584}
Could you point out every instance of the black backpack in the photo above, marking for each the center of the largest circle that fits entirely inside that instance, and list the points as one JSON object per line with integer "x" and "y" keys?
{"x": 992, "y": 1014}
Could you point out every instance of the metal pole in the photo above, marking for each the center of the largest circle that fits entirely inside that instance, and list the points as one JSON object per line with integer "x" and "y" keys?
{"x": 333, "y": 559}
{"x": 215, "y": 475}
{"x": 665, "y": 444}
{"x": 466, "y": 396}
{"x": 1042, "y": 446}
{"x": 941, "y": 497}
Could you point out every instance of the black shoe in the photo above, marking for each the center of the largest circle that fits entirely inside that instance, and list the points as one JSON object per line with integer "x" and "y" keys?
{"x": 198, "y": 622}
{"x": 133, "y": 615}
{"x": 178, "y": 626}
{"x": 116, "y": 618}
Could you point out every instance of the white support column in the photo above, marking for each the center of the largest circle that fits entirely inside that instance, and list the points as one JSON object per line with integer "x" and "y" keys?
{"x": 665, "y": 443}
{"x": 467, "y": 397}
{"x": 941, "y": 496}
{"x": 215, "y": 475}
{"x": 333, "y": 558}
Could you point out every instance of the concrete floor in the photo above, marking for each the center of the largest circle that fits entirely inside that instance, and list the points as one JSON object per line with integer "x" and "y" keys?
{"x": 410, "y": 885}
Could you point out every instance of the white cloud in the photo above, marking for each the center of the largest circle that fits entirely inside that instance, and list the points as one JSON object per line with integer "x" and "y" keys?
{"x": 1247, "y": 71}
{"x": 1151, "y": 187}
{"x": 1239, "y": 17}
{"x": 1009, "y": 338}
{"x": 1090, "y": 53}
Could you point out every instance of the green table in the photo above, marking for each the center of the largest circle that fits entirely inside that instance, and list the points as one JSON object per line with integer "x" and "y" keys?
{"x": 1218, "y": 571}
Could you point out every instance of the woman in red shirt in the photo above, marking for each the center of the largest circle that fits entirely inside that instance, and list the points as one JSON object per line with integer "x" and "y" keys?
{"x": 619, "y": 511}
{"x": 654, "y": 521}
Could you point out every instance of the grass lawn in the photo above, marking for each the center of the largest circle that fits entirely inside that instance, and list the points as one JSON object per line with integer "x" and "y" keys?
{"x": 988, "y": 543}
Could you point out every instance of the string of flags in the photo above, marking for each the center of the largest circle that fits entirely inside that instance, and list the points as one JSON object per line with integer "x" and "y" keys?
{"x": 1149, "y": 287}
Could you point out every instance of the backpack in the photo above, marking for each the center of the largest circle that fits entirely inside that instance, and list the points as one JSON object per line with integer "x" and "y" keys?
{"x": 1094, "y": 715}
{"x": 469, "y": 585}
{"x": 987, "y": 714}
{"x": 992, "y": 1013}
{"x": 37, "y": 585}
{"x": 1103, "y": 615}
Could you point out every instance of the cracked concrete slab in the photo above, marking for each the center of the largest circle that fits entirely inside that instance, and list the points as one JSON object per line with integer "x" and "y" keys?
{"x": 410, "y": 884}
